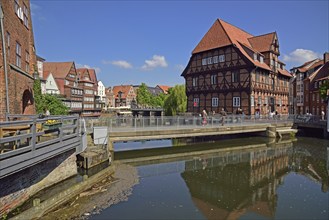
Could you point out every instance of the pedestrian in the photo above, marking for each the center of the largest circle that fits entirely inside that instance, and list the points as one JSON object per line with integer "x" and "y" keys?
{"x": 322, "y": 115}
{"x": 204, "y": 117}
{"x": 223, "y": 114}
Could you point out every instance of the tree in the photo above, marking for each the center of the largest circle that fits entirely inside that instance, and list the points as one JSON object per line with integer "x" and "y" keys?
{"x": 55, "y": 105}
{"x": 143, "y": 95}
{"x": 51, "y": 102}
{"x": 176, "y": 101}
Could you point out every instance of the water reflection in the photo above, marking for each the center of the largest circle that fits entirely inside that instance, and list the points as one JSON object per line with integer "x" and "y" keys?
{"x": 246, "y": 179}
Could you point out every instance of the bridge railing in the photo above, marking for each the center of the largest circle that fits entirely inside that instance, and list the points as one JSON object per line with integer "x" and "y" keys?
{"x": 27, "y": 139}
{"x": 178, "y": 122}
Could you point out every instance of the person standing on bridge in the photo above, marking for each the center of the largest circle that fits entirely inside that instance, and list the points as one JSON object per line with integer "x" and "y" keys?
{"x": 204, "y": 117}
{"x": 223, "y": 114}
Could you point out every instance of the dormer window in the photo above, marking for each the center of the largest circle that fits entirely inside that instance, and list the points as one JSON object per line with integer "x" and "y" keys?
{"x": 255, "y": 56}
{"x": 261, "y": 59}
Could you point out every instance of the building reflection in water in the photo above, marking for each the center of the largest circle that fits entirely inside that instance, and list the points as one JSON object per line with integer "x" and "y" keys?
{"x": 232, "y": 183}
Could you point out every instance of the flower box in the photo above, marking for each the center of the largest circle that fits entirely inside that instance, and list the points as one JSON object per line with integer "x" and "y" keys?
{"x": 52, "y": 126}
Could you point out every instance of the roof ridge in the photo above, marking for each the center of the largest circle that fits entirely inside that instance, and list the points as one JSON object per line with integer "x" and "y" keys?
{"x": 263, "y": 35}
{"x": 219, "y": 20}
{"x": 233, "y": 26}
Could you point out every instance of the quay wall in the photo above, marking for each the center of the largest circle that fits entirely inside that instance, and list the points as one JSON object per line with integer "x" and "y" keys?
{"x": 19, "y": 187}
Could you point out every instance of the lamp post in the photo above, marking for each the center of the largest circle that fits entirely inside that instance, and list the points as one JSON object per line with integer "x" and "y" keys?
{"x": 4, "y": 60}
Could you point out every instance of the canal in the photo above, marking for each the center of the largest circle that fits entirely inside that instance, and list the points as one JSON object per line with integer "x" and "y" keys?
{"x": 245, "y": 178}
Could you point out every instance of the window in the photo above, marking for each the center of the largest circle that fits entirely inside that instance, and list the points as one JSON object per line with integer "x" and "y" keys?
{"x": 196, "y": 102}
{"x": 221, "y": 58}
{"x": 313, "y": 97}
{"x": 215, "y": 59}
{"x": 257, "y": 76}
{"x": 252, "y": 101}
{"x": 261, "y": 59}
{"x": 213, "y": 79}
{"x": 67, "y": 82}
{"x": 266, "y": 100}
{"x": 25, "y": 16}
{"x": 235, "y": 76}
{"x": 266, "y": 79}
{"x": 204, "y": 61}
{"x": 214, "y": 102}
{"x": 315, "y": 85}
{"x": 236, "y": 101}
{"x": 27, "y": 61}
{"x": 255, "y": 56}
{"x": 16, "y": 6}
{"x": 195, "y": 81}
{"x": 272, "y": 62}
{"x": 209, "y": 60}
{"x": 259, "y": 100}
{"x": 18, "y": 55}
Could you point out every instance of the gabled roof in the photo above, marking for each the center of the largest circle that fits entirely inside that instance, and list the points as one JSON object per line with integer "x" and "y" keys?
{"x": 92, "y": 74}
{"x": 123, "y": 88}
{"x": 310, "y": 65}
{"x": 262, "y": 43}
{"x": 223, "y": 34}
{"x": 58, "y": 69}
{"x": 284, "y": 72}
{"x": 164, "y": 88}
{"x": 322, "y": 72}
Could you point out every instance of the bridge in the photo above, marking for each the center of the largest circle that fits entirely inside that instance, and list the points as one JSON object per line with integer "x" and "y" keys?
{"x": 121, "y": 129}
{"x": 27, "y": 140}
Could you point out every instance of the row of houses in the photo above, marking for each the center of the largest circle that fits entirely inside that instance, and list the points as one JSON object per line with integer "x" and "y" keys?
{"x": 78, "y": 88}
{"x": 231, "y": 69}
{"x": 82, "y": 93}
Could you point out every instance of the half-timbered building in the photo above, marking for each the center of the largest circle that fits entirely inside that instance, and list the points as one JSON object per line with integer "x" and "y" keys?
{"x": 232, "y": 69}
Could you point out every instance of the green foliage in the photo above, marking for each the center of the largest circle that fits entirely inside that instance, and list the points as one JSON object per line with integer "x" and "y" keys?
{"x": 55, "y": 105}
{"x": 143, "y": 95}
{"x": 51, "y": 102}
{"x": 176, "y": 101}
{"x": 38, "y": 97}
{"x": 145, "y": 98}
{"x": 323, "y": 90}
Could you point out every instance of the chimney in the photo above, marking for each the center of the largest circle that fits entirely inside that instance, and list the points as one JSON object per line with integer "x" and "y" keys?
{"x": 326, "y": 57}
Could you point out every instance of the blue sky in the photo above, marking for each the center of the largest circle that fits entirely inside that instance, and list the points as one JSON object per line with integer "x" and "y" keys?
{"x": 130, "y": 42}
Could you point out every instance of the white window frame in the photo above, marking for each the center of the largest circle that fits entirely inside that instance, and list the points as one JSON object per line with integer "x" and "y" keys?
{"x": 204, "y": 61}
{"x": 209, "y": 60}
{"x": 236, "y": 101}
{"x": 214, "y": 101}
{"x": 213, "y": 79}
{"x": 195, "y": 81}
{"x": 221, "y": 58}
{"x": 261, "y": 59}
{"x": 255, "y": 56}
{"x": 252, "y": 100}
{"x": 18, "y": 55}
{"x": 215, "y": 59}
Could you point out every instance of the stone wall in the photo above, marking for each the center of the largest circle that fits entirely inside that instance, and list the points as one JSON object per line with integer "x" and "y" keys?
{"x": 19, "y": 187}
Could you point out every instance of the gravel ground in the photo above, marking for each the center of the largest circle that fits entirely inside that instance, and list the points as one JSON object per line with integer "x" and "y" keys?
{"x": 109, "y": 191}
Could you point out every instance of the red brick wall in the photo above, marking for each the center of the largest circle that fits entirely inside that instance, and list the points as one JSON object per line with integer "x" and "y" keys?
{"x": 18, "y": 80}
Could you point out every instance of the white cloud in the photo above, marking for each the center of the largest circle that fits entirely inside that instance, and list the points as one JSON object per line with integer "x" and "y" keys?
{"x": 301, "y": 56}
{"x": 120, "y": 63}
{"x": 97, "y": 69}
{"x": 156, "y": 61}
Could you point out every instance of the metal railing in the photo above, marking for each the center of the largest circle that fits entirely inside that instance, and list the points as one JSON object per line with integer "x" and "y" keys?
{"x": 24, "y": 140}
{"x": 179, "y": 122}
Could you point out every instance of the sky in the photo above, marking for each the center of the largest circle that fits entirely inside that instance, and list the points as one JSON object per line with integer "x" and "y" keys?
{"x": 134, "y": 42}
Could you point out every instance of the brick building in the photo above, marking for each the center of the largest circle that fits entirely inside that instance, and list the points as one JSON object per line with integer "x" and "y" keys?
{"x": 309, "y": 77}
{"x": 66, "y": 79}
{"x": 230, "y": 69}
{"x": 124, "y": 95}
{"x": 91, "y": 102}
{"x": 18, "y": 58}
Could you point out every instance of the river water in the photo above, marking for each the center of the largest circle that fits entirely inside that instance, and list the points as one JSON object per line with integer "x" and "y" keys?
{"x": 244, "y": 178}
